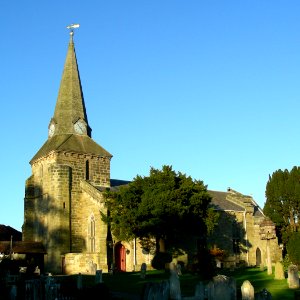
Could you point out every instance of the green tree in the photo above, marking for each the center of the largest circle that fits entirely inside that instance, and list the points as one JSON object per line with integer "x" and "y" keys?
{"x": 293, "y": 248}
{"x": 283, "y": 200}
{"x": 161, "y": 209}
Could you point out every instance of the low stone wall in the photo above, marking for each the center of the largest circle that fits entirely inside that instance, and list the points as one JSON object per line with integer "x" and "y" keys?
{"x": 84, "y": 263}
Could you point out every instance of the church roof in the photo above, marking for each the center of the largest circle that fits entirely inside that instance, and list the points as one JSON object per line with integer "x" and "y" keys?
{"x": 220, "y": 202}
{"x": 234, "y": 201}
{"x": 71, "y": 143}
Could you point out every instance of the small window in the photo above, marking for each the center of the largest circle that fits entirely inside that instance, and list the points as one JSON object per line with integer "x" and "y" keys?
{"x": 87, "y": 170}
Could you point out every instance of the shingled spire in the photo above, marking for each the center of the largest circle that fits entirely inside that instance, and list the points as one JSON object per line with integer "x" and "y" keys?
{"x": 70, "y": 113}
{"x": 69, "y": 130}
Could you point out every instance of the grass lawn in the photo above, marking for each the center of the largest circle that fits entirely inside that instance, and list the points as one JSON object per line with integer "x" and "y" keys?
{"x": 131, "y": 283}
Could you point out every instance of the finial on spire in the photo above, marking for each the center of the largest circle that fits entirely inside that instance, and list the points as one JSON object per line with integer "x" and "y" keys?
{"x": 72, "y": 27}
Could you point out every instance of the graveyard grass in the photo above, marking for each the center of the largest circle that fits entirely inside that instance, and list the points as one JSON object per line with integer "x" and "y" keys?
{"x": 130, "y": 283}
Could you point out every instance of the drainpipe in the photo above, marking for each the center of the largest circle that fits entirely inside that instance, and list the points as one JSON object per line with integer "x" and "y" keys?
{"x": 246, "y": 237}
{"x": 134, "y": 254}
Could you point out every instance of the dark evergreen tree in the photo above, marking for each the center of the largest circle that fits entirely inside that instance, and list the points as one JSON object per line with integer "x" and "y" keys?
{"x": 161, "y": 209}
{"x": 293, "y": 248}
{"x": 283, "y": 201}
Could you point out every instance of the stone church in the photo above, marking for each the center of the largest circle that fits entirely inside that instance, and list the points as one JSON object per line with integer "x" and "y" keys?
{"x": 64, "y": 201}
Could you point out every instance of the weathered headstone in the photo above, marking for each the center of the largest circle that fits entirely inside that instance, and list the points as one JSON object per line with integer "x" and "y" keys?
{"x": 13, "y": 292}
{"x": 224, "y": 288}
{"x": 33, "y": 289}
{"x": 179, "y": 269}
{"x": 279, "y": 271}
{"x": 293, "y": 277}
{"x": 247, "y": 290}
{"x": 156, "y": 290}
{"x": 79, "y": 281}
{"x": 210, "y": 290}
{"x": 98, "y": 276}
{"x": 164, "y": 290}
{"x": 175, "y": 291}
{"x": 92, "y": 267}
{"x": 143, "y": 270}
{"x": 200, "y": 291}
{"x": 263, "y": 295}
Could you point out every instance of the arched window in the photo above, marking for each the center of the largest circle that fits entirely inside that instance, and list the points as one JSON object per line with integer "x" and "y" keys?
{"x": 91, "y": 234}
{"x": 87, "y": 170}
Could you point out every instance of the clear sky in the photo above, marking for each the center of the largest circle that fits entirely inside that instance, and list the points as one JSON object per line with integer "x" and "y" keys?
{"x": 209, "y": 87}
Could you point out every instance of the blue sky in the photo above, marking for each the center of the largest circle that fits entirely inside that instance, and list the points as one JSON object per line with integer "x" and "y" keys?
{"x": 209, "y": 87}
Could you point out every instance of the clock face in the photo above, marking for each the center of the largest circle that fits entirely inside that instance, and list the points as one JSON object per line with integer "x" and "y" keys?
{"x": 51, "y": 130}
{"x": 80, "y": 127}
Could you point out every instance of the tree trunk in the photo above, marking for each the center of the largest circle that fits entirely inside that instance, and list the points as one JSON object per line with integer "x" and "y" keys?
{"x": 160, "y": 245}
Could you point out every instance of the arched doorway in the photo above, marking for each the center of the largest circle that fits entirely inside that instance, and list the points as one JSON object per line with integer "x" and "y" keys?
{"x": 258, "y": 257}
{"x": 120, "y": 257}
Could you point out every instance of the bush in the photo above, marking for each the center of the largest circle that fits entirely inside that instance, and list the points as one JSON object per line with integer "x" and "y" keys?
{"x": 160, "y": 260}
{"x": 293, "y": 248}
{"x": 286, "y": 262}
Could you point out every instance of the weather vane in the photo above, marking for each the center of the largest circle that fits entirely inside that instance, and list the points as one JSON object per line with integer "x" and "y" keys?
{"x": 72, "y": 27}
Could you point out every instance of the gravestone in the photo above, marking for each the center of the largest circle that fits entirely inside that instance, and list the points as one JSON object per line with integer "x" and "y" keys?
{"x": 92, "y": 267}
{"x": 224, "y": 288}
{"x": 98, "y": 276}
{"x": 13, "y": 292}
{"x": 156, "y": 291}
{"x": 52, "y": 288}
{"x": 247, "y": 290}
{"x": 263, "y": 295}
{"x": 200, "y": 291}
{"x": 164, "y": 290}
{"x": 210, "y": 291}
{"x": 178, "y": 269}
{"x": 175, "y": 291}
{"x": 279, "y": 272}
{"x": 143, "y": 270}
{"x": 293, "y": 277}
{"x": 79, "y": 281}
{"x": 33, "y": 289}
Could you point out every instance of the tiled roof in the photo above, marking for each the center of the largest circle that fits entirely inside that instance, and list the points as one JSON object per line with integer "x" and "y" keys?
{"x": 22, "y": 247}
{"x": 6, "y": 232}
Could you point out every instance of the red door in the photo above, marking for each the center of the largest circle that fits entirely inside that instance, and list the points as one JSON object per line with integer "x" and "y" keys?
{"x": 120, "y": 257}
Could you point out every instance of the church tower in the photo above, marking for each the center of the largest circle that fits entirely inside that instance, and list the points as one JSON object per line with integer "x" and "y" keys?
{"x": 63, "y": 199}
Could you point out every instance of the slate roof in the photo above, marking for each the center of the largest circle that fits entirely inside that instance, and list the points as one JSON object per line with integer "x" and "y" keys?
{"x": 22, "y": 247}
{"x": 219, "y": 199}
{"x": 220, "y": 202}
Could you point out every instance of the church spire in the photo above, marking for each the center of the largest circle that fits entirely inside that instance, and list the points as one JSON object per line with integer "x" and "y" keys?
{"x": 70, "y": 113}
